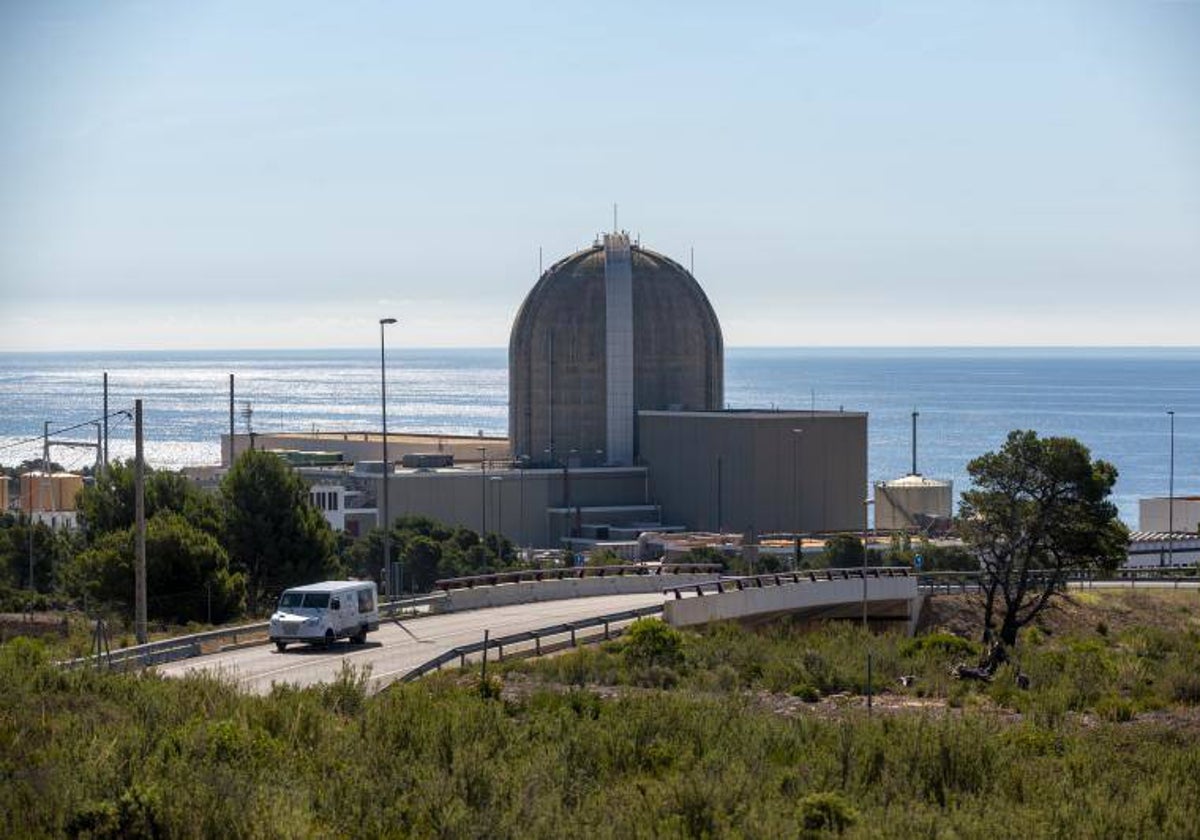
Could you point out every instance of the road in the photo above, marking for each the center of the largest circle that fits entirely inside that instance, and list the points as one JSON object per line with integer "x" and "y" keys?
{"x": 397, "y": 648}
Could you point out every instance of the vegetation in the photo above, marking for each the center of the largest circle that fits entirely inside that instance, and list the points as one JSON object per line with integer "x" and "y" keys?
{"x": 1102, "y": 745}
{"x": 429, "y": 550}
{"x": 1037, "y": 512}
{"x": 272, "y": 532}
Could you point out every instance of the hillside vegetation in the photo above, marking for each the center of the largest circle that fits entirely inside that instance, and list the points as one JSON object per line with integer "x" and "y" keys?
{"x": 729, "y": 732}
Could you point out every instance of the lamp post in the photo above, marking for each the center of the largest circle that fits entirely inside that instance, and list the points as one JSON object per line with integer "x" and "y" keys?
{"x": 498, "y": 482}
{"x": 796, "y": 489}
{"x": 866, "y": 627}
{"x": 483, "y": 492}
{"x": 523, "y": 464}
{"x": 383, "y": 517}
{"x": 1171, "y": 498}
{"x": 866, "y": 503}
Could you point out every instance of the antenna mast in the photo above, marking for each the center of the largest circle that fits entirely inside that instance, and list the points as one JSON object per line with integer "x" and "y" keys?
{"x": 915, "y": 415}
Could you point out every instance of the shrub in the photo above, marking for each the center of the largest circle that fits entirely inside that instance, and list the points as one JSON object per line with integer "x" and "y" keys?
{"x": 650, "y": 642}
{"x": 1184, "y": 687}
{"x": 827, "y": 811}
{"x": 1115, "y": 708}
{"x": 939, "y": 643}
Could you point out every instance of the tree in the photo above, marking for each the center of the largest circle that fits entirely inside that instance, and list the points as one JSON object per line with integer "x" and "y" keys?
{"x": 1037, "y": 512}
{"x": 108, "y": 504}
{"x": 187, "y": 572}
{"x": 273, "y": 532}
{"x": 19, "y": 537}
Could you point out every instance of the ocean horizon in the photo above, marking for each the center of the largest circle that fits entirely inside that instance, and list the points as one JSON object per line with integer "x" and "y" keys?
{"x": 1114, "y": 399}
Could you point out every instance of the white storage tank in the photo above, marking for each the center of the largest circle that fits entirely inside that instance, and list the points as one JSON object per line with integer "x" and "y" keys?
{"x": 912, "y": 502}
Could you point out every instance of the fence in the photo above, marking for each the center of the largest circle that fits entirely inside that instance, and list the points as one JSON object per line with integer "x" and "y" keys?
{"x": 570, "y": 629}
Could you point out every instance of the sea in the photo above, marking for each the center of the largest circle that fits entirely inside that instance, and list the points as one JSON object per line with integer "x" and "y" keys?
{"x": 1115, "y": 400}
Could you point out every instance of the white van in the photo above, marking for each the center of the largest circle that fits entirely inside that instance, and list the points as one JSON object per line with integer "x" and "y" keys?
{"x": 319, "y": 613}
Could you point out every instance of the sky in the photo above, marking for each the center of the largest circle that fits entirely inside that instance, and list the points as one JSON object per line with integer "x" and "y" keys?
{"x": 846, "y": 173}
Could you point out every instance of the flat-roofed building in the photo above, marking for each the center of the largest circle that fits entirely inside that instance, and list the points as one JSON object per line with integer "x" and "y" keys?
{"x": 757, "y": 471}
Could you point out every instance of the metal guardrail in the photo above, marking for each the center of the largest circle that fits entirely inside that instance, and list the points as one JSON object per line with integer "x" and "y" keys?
{"x": 461, "y": 652}
{"x": 728, "y": 584}
{"x": 570, "y": 572}
{"x": 167, "y": 650}
{"x": 962, "y": 582}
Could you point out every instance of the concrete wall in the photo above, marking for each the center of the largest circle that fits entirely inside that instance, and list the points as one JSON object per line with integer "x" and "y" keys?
{"x": 886, "y": 598}
{"x": 516, "y": 501}
{"x": 1154, "y": 515}
{"x": 528, "y": 592}
{"x": 741, "y": 471}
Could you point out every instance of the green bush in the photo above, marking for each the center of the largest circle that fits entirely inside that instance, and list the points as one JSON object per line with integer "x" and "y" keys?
{"x": 651, "y": 642}
{"x": 826, "y": 811}
{"x": 939, "y": 643}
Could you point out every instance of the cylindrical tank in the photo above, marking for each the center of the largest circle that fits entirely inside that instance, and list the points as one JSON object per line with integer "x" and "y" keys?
{"x": 913, "y": 501}
{"x": 49, "y": 491}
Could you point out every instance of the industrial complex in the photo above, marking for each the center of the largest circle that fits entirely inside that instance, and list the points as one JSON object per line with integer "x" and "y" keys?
{"x": 617, "y": 426}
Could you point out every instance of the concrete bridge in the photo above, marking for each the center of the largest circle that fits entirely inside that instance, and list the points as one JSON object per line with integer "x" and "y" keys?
{"x": 409, "y": 647}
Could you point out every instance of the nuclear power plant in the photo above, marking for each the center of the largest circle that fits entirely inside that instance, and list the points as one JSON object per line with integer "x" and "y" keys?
{"x": 617, "y": 425}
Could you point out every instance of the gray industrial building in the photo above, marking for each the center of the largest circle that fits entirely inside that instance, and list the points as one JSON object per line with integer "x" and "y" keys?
{"x": 757, "y": 471}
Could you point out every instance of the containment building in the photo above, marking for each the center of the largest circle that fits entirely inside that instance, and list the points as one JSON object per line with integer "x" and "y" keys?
{"x": 606, "y": 332}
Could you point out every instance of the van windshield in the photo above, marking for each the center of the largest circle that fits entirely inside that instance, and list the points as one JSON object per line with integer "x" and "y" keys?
{"x": 317, "y": 600}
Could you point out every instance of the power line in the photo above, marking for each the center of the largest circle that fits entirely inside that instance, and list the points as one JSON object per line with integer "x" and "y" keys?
{"x": 39, "y": 438}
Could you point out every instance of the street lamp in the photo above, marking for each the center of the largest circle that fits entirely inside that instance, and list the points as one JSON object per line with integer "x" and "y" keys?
{"x": 1171, "y": 498}
{"x": 498, "y": 482}
{"x": 483, "y": 492}
{"x": 796, "y": 488}
{"x": 866, "y": 503}
{"x": 387, "y": 539}
{"x": 523, "y": 463}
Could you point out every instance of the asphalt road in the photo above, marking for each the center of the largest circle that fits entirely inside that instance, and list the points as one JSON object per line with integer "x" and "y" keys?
{"x": 395, "y": 649}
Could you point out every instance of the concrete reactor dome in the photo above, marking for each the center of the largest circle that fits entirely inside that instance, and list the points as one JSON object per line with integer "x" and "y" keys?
{"x": 606, "y": 332}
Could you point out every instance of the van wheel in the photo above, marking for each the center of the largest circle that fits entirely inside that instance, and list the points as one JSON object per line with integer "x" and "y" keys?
{"x": 281, "y": 646}
{"x": 359, "y": 637}
{"x": 328, "y": 638}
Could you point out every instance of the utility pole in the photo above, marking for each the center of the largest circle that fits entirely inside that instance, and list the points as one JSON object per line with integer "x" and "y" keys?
{"x": 1171, "y": 498}
{"x": 231, "y": 428}
{"x": 105, "y": 422}
{"x": 139, "y": 512}
{"x": 383, "y": 519}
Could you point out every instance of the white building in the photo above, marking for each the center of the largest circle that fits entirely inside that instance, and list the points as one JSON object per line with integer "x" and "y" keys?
{"x": 1156, "y": 550}
{"x": 330, "y": 499}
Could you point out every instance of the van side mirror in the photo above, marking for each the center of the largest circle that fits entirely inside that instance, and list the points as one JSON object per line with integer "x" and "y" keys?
{"x": 335, "y": 604}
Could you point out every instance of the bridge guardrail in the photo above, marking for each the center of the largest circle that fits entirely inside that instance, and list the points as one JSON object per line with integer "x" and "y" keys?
{"x": 740, "y": 583}
{"x": 961, "y": 582}
{"x": 536, "y": 636}
{"x": 569, "y": 572}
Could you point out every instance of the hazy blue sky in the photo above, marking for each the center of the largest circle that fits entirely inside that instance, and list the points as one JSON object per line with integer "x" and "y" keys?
{"x": 253, "y": 174}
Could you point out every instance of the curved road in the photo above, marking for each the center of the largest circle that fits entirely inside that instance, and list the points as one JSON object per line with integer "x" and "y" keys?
{"x": 397, "y": 648}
